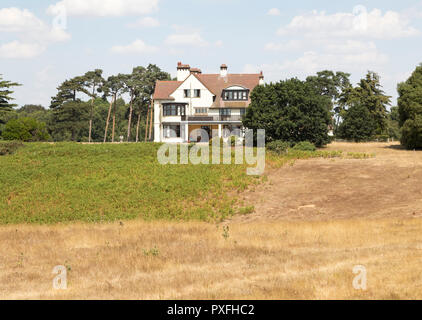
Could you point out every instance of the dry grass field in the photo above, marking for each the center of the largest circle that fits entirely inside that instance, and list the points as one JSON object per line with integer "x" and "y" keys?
{"x": 314, "y": 221}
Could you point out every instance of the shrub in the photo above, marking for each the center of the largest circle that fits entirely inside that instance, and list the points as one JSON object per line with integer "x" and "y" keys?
{"x": 412, "y": 133}
{"x": 25, "y": 129}
{"x": 304, "y": 146}
{"x": 278, "y": 146}
{"x": 9, "y": 147}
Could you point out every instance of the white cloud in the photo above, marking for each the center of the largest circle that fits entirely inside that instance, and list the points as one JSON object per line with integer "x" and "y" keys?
{"x": 147, "y": 22}
{"x": 103, "y": 8}
{"x": 361, "y": 23}
{"x": 19, "y": 50}
{"x": 274, "y": 12}
{"x": 186, "y": 39}
{"x": 34, "y": 35}
{"x": 219, "y": 43}
{"x": 17, "y": 20}
{"x": 136, "y": 47}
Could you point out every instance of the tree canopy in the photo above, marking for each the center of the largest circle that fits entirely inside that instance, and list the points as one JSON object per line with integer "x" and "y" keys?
{"x": 410, "y": 110}
{"x": 290, "y": 110}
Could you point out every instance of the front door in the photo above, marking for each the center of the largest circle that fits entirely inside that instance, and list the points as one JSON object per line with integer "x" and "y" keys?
{"x": 208, "y": 136}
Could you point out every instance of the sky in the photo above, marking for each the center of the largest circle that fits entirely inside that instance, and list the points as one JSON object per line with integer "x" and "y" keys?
{"x": 44, "y": 42}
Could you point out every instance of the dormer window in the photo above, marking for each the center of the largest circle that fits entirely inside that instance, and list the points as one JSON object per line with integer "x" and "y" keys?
{"x": 235, "y": 95}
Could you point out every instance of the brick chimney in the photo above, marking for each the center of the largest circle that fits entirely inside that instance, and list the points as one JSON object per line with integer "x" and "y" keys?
{"x": 223, "y": 71}
{"x": 183, "y": 71}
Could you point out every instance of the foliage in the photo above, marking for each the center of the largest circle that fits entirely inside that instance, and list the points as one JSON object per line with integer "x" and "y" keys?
{"x": 68, "y": 121}
{"x": 123, "y": 181}
{"x": 290, "y": 110}
{"x": 368, "y": 94}
{"x": 410, "y": 109}
{"x": 358, "y": 125}
{"x": 332, "y": 84}
{"x": 278, "y": 146}
{"x": 412, "y": 133}
{"x": 25, "y": 129}
{"x": 5, "y": 94}
{"x": 305, "y": 146}
{"x": 9, "y": 147}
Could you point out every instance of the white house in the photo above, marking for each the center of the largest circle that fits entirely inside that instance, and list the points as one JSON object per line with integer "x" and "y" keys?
{"x": 211, "y": 102}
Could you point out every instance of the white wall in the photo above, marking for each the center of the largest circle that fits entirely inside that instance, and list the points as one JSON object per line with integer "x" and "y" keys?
{"x": 191, "y": 83}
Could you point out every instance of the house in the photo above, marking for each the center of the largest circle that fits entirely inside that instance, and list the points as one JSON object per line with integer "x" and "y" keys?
{"x": 214, "y": 103}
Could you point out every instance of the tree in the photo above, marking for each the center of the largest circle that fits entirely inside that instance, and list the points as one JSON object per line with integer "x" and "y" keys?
{"x": 26, "y": 129}
{"x": 358, "y": 124}
{"x": 290, "y": 110}
{"x": 92, "y": 82}
{"x": 332, "y": 84}
{"x": 67, "y": 91}
{"x": 410, "y": 110}
{"x": 369, "y": 93}
{"x": 114, "y": 86}
{"x": 150, "y": 76}
{"x": 68, "y": 122}
{"x": 5, "y": 98}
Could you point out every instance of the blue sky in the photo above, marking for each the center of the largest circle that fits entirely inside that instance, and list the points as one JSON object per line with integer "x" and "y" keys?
{"x": 45, "y": 42}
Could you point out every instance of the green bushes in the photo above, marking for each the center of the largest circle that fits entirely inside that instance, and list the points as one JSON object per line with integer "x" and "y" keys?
{"x": 305, "y": 146}
{"x": 7, "y": 148}
{"x": 278, "y": 146}
{"x": 282, "y": 147}
{"x": 25, "y": 129}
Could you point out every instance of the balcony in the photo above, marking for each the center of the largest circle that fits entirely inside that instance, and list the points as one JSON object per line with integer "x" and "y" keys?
{"x": 212, "y": 118}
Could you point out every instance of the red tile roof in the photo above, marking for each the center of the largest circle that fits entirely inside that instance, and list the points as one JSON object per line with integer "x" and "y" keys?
{"x": 163, "y": 89}
{"x": 213, "y": 82}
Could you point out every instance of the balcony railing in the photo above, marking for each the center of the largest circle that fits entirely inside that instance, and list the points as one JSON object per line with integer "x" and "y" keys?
{"x": 213, "y": 118}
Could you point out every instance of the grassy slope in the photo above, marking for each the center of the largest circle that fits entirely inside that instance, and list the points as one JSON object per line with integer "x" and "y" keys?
{"x": 62, "y": 182}
{"x": 48, "y": 183}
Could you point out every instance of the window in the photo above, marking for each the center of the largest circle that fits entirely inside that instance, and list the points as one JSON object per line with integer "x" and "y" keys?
{"x": 196, "y": 93}
{"x": 171, "y": 131}
{"x": 225, "y": 112}
{"x": 174, "y": 110}
{"x": 235, "y": 95}
{"x": 242, "y": 112}
{"x": 201, "y": 110}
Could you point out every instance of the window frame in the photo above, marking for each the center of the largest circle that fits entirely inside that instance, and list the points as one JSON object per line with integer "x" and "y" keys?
{"x": 236, "y": 95}
{"x": 174, "y": 109}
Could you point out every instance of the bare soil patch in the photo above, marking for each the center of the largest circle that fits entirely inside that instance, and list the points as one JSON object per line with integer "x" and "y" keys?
{"x": 388, "y": 185}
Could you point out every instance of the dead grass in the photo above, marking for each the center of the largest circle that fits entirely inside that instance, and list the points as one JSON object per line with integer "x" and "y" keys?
{"x": 281, "y": 260}
{"x": 371, "y": 215}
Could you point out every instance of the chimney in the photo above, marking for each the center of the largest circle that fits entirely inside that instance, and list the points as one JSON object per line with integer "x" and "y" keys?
{"x": 183, "y": 71}
{"x": 195, "y": 71}
{"x": 261, "y": 79}
{"x": 223, "y": 71}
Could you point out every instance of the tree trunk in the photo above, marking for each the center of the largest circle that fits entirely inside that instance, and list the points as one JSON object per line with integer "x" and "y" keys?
{"x": 146, "y": 126}
{"x": 130, "y": 116}
{"x": 108, "y": 120}
{"x": 91, "y": 115}
{"x": 137, "y": 126}
{"x": 114, "y": 119}
{"x": 151, "y": 121}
